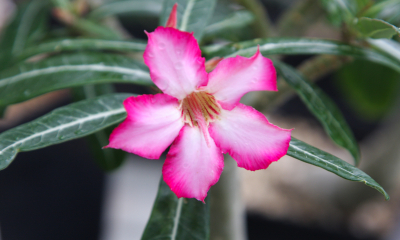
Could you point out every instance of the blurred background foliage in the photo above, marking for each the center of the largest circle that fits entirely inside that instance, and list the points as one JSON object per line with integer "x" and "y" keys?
{"x": 339, "y": 65}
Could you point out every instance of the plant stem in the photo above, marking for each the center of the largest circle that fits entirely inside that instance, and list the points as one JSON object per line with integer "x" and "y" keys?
{"x": 227, "y": 213}
{"x": 262, "y": 26}
{"x": 299, "y": 18}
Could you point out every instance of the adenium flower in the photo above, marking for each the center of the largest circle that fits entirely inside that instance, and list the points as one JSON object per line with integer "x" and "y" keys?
{"x": 199, "y": 114}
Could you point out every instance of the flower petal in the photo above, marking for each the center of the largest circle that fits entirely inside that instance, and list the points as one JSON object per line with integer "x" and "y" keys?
{"x": 172, "y": 19}
{"x": 192, "y": 166}
{"x": 234, "y": 77}
{"x": 175, "y": 62}
{"x": 249, "y": 138}
{"x": 152, "y": 124}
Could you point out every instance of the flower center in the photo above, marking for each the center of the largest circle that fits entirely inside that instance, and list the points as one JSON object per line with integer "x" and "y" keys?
{"x": 199, "y": 109}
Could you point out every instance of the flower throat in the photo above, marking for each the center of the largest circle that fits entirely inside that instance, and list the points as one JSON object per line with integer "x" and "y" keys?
{"x": 199, "y": 109}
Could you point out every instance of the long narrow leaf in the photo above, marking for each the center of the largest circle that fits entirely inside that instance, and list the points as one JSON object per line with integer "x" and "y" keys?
{"x": 107, "y": 159}
{"x": 234, "y": 21}
{"x": 92, "y": 28}
{"x": 138, "y": 7}
{"x": 177, "y": 219}
{"x": 309, "y": 154}
{"x": 386, "y": 46}
{"x": 322, "y": 107}
{"x": 388, "y": 10}
{"x": 17, "y": 34}
{"x": 81, "y": 44}
{"x": 63, "y": 124}
{"x": 292, "y": 46}
{"x": 28, "y": 80}
{"x": 193, "y": 15}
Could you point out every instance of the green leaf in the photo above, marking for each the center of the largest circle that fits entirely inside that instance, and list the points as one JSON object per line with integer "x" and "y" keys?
{"x": 28, "y": 80}
{"x": 370, "y": 99}
{"x": 135, "y": 7}
{"x": 27, "y": 23}
{"x": 193, "y": 15}
{"x": 388, "y": 47}
{"x": 64, "y": 4}
{"x": 63, "y": 124}
{"x": 86, "y": 27}
{"x": 230, "y": 24}
{"x": 309, "y": 154}
{"x": 107, "y": 159}
{"x": 322, "y": 107}
{"x": 388, "y": 10}
{"x": 376, "y": 28}
{"x": 82, "y": 44}
{"x": 340, "y": 10}
{"x": 292, "y": 46}
{"x": 92, "y": 28}
{"x": 173, "y": 218}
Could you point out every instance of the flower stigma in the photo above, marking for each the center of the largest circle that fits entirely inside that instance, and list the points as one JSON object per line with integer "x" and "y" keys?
{"x": 199, "y": 109}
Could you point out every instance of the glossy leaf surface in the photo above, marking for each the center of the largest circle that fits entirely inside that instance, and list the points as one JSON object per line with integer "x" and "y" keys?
{"x": 292, "y": 46}
{"x": 309, "y": 154}
{"x": 388, "y": 10}
{"x": 322, "y": 107}
{"x": 193, "y": 15}
{"x": 28, "y": 80}
{"x": 63, "y": 124}
{"x": 81, "y": 44}
{"x": 107, "y": 159}
{"x": 233, "y": 22}
{"x": 134, "y": 7}
{"x": 177, "y": 219}
{"x": 389, "y": 47}
{"x": 376, "y": 28}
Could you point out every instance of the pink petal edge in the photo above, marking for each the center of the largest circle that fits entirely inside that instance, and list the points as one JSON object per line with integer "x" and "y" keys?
{"x": 234, "y": 77}
{"x": 152, "y": 124}
{"x": 249, "y": 138}
{"x": 192, "y": 167}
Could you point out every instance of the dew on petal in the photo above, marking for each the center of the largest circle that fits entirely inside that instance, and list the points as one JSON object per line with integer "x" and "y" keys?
{"x": 161, "y": 46}
{"x": 150, "y": 55}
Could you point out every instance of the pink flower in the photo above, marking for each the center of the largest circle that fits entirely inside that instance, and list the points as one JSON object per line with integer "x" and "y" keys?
{"x": 199, "y": 114}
